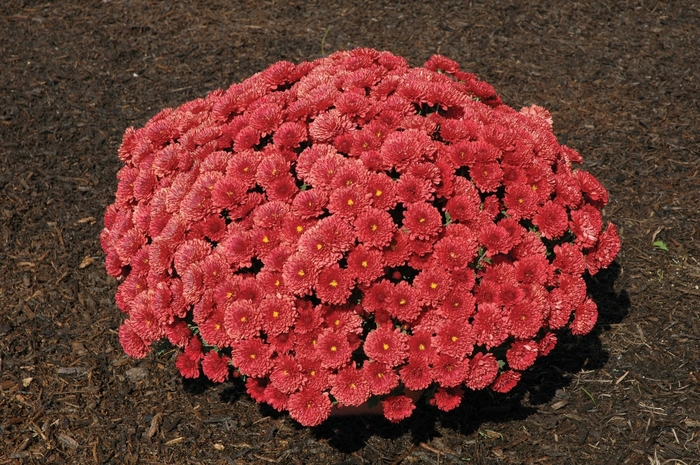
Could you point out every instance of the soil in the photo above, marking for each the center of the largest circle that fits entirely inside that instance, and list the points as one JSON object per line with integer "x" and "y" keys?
{"x": 622, "y": 80}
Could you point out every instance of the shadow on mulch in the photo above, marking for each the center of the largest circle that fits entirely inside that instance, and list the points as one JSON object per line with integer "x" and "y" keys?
{"x": 539, "y": 386}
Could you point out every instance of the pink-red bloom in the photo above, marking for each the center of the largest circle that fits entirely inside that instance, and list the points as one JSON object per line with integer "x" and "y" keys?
{"x": 354, "y": 211}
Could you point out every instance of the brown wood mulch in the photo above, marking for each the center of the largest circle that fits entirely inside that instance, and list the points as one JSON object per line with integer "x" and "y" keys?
{"x": 622, "y": 80}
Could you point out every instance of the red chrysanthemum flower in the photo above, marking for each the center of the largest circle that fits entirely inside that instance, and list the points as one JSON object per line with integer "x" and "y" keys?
{"x": 586, "y": 225}
{"x": 333, "y": 348}
{"x": 487, "y": 176}
{"x": 552, "y": 220}
{"x": 490, "y": 325}
{"x": 506, "y": 381}
{"x": 547, "y": 344}
{"x": 496, "y": 239}
{"x": 253, "y": 357}
{"x": 455, "y": 252}
{"x": 398, "y": 250}
{"x": 188, "y": 366}
{"x": 329, "y": 125}
{"x": 525, "y": 320}
{"x": 277, "y": 314}
{"x": 403, "y": 302}
{"x": 215, "y": 367}
{"x": 420, "y": 346}
{"x": 387, "y": 346}
{"x": 569, "y": 259}
{"x": 400, "y": 149}
{"x": 299, "y": 274}
{"x": 310, "y": 203}
{"x": 382, "y": 379}
{"x": 349, "y": 201}
{"x": 377, "y": 295}
{"x": 213, "y": 331}
{"x": 593, "y": 191}
{"x": 449, "y": 371}
{"x": 375, "y": 228}
{"x": 559, "y": 309}
{"x": 255, "y": 387}
{"x": 521, "y": 201}
{"x": 412, "y": 189}
{"x": 337, "y": 233}
{"x": 350, "y": 387}
{"x": 483, "y": 369}
{"x": 574, "y": 288}
{"x": 275, "y": 398}
{"x": 459, "y": 305}
{"x": 585, "y": 317}
{"x": 287, "y": 375}
{"x": 432, "y": 285}
{"x": 309, "y": 407}
{"x": 606, "y": 250}
{"x": 447, "y": 399}
{"x": 131, "y": 341}
{"x": 416, "y": 374}
{"x": 365, "y": 265}
{"x": 290, "y": 134}
{"x": 309, "y": 317}
{"x": 522, "y": 354}
{"x": 533, "y": 269}
{"x": 455, "y": 338}
{"x": 334, "y": 285}
{"x": 422, "y": 220}
{"x": 382, "y": 191}
{"x": 396, "y": 408}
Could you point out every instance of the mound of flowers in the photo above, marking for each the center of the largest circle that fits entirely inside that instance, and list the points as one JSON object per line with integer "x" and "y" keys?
{"x": 344, "y": 231}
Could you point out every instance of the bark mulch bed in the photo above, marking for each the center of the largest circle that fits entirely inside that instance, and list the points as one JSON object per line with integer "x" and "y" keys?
{"x": 622, "y": 81}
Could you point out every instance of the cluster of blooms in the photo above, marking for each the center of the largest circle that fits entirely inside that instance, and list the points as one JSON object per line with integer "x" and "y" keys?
{"x": 352, "y": 229}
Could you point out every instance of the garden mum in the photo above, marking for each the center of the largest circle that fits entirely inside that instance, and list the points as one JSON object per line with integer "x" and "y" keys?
{"x": 346, "y": 230}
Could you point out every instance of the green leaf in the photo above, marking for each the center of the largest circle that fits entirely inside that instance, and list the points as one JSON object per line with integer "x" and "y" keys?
{"x": 448, "y": 218}
{"x": 660, "y": 245}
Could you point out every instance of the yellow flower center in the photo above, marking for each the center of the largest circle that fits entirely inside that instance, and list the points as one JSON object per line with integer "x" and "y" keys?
{"x": 386, "y": 346}
{"x": 433, "y": 285}
{"x": 334, "y": 283}
{"x": 301, "y": 273}
{"x": 334, "y": 348}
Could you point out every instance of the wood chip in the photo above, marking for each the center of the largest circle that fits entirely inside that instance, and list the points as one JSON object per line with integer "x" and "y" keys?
{"x": 560, "y": 404}
{"x": 155, "y": 425}
{"x": 71, "y": 371}
{"x": 78, "y": 348}
{"x": 67, "y": 441}
{"x": 87, "y": 261}
{"x": 174, "y": 441}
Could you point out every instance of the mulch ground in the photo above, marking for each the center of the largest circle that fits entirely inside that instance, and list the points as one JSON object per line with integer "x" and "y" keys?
{"x": 622, "y": 80}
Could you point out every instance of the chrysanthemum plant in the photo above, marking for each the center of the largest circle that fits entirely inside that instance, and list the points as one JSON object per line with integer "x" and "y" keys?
{"x": 351, "y": 230}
